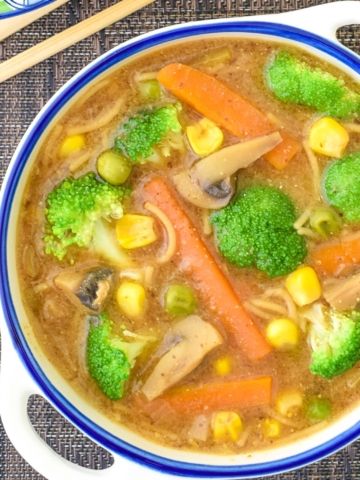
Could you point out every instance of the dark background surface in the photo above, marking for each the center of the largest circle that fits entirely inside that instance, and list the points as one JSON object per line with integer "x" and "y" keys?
{"x": 22, "y": 97}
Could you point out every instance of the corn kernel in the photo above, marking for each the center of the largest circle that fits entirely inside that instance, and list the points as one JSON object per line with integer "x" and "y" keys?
{"x": 204, "y": 137}
{"x": 134, "y": 231}
{"x": 226, "y": 426}
{"x": 289, "y": 402}
{"x": 223, "y": 366}
{"x": 328, "y": 137}
{"x": 71, "y": 145}
{"x": 282, "y": 333}
{"x": 271, "y": 428}
{"x": 303, "y": 286}
{"x": 131, "y": 299}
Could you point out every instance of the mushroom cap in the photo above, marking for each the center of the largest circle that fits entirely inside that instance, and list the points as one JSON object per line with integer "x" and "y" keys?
{"x": 187, "y": 343}
{"x": 189, "y": 188}
{"x": 208, "y": 183}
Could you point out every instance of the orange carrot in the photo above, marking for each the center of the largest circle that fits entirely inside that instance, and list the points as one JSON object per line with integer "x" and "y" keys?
{"x": 334, "y": 257}
{"x": 214, "y": 100}
{"x": 223, "y": 106}
{"x": 194, "y": 258}
{"x": 280, "y": 155}
{"x": 243, "y": 393}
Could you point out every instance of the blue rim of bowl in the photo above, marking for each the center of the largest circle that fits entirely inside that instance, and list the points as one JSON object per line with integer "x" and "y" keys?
{"x": 30, "y": 140}
{"x": 21, "y": 9}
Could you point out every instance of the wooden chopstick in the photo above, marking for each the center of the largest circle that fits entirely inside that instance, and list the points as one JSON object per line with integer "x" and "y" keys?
{"x": 68, "y": 37}
{"x": 8, "y": 26}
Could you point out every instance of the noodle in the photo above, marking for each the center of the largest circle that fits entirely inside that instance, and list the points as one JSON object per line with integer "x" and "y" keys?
{"x": 107, "y": 138}
{"x": 143, "y": 275}
{"x": 304, "y": 217}
{"x": 171, "y": 235}
{"x": 314, "y": 164}
{"x": 91, "y": 91}
{"x": 133, "y": 273}
{"x": 280, "y": 418}
{"x": 258, "y": 311}
{"x": 41, "y": 287}
{"x": 286, "y": 297}
{"x": 98, "y": 122}
{"x": 149, "y": 271}
{"x": 268, "y": 305}
{"x": 79, "y": 161}
{"x": 266, "y": 309}
{"x": 307, "y": 232}
{"x": 244, "y": 438}
{"x": 207, "y": 228}
{"x": 300, "y": 223}
{"x": 144, "y": 76}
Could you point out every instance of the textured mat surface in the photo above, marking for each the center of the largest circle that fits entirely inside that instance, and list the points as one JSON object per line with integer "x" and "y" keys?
{"x": 22, "y": 97}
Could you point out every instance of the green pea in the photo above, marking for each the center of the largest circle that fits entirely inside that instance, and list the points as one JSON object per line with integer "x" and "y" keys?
{"x": 113, "y": 167}
{"x": 149, "y": 90}
{"x": 180, "y": 300}
{"x": 325, "y": 221}
{"x": 318, "y": 409}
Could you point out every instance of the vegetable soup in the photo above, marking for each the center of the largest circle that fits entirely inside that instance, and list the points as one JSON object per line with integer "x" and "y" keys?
{"x": 189, "y": 244}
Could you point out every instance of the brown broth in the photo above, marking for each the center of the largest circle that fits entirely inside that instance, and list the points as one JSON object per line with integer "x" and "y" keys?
{"x": 61, "y": 327}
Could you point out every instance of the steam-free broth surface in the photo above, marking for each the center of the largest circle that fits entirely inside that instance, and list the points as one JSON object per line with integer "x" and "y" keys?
{"x": 188, "y": 324}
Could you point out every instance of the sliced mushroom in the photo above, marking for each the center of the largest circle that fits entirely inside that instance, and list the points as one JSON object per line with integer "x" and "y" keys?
{"x": 69, "y": 280}
{"x": 208, "y": 183}
{"x": 227, "y": 161}
{"x": 343, "y": 293}
{"x": 91, "y": 288}
{"x": 200, "y": 428}
{"x": 220, "y": 189}
{"x": 184, "y": 347}
{"x": 189, "y": 188}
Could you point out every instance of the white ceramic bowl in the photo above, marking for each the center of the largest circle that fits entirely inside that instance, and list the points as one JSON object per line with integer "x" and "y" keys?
{"x": 25, "y": 370}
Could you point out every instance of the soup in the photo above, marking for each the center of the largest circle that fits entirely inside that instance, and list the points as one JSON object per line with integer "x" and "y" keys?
{"x": 188, "y": 244}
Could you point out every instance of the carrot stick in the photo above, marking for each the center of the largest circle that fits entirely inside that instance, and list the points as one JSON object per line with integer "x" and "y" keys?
{"x": 279, "y": 156}
{"x": 194, "y": 258}
{"x": 334, "y": 257}
{"x": 214, "y": 100}
{"x": 243, "y": 393}
{"x": 225, "y": 107}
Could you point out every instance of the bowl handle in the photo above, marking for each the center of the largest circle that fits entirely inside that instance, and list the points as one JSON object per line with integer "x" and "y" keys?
{"x": 16, "y": 387}
{"x": 322, "y": 20}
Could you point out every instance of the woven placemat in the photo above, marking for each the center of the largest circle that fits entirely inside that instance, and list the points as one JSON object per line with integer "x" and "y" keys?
{"x": 22, "y": 97}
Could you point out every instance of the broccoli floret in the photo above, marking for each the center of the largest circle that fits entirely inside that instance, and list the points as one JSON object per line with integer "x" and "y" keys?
{"x": 110, "y": 358}
{"x": 256, "y": 229}
{"x": 294, "y": 81}
{"x": 148, "y": 129}
{"x": 334, "y": 338}
{"x": 341, "y": 186}
{"x": 74, "y": 207}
